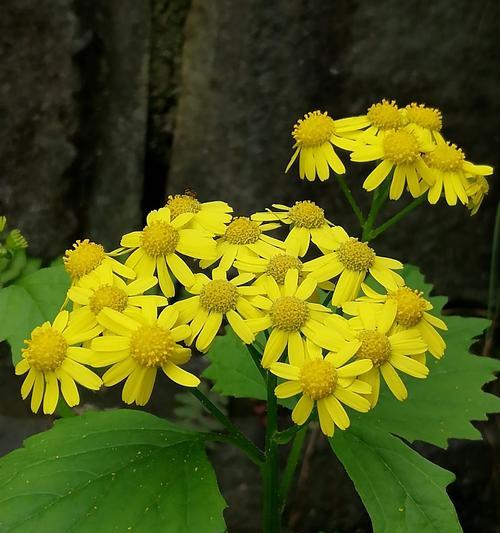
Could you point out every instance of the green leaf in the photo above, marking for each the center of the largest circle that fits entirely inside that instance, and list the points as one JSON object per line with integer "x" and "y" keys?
{"x": 111, "y": 471}
{"x": 441, "y": 406}
{"x": 29, "y": 302}
{"x": 232, "y": 369}
{"x": 402, "y": 491}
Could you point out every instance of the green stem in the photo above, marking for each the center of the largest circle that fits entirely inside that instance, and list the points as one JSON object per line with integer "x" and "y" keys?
{"x": 291, "y": 465}
{"x": 271, "y": 478}
{"x": 397, "y": 217}
{"x": 285, "y": 436}
{"x": 243, "y": 442}
{"x": 350, "y": 198}
{"x": 493, "y": 289}
{"x": 257, "y": 358}
{"x": 378, "y": 199}
{"x": 217, "y": 436}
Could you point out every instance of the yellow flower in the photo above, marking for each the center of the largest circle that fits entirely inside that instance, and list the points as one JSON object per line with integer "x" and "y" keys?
{"x": 477, "y": 188}
{"x": 215, "y": 299}
{"x": 412, "y": 311}
{"x": 138, "y": 347}
{"x": 388, "y": 349}
{"x": 87, "y": 256}
{"x": 326, "y": 382}
{"x": 290, "y": 316}
{"x": 102, "y": 288}
{"x": 400, "y": 150}
{"x": 380, "y": 117}
{"x": 307, "y": 223}
{"x": 53, "y": 359}
{"x": 352, "y": 260}
{"x": 314, "y": 137}
{"x": 447, "y": 168}
{"x": 158, "y": 245}
{"x": 209, "y": 216}
{"x": 425, "y": 122}
{"x": 275, "y": 264}
{"x": 243, "y": 236}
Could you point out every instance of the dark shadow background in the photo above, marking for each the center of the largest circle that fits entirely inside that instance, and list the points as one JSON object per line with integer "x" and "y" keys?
{"x": 106, "y": 106}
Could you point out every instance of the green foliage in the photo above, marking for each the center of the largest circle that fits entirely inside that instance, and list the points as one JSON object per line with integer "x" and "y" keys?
{"x": 110, "y": 471}
{"x": 401, "y": 490}
{"x": 28, "y": 302}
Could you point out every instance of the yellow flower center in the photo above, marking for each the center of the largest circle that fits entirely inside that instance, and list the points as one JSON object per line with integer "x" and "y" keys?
{"x": 182, "y": 203}
{"x": 279, "y": 265}
{"x": 411, "y": 306}
{"x": 374, "y": 346}
{"x": 83, "y": 259}
{"x": 242, "y": 230}
{"x": 385, "y": 115}
{"x": 151, "y": 346}
{"x": 356, "y": 255}
{"x": 46, "y": 349}
{"x": 307, "y": 214}
{"x": 219, "y": 295}
{"x": 318, "y": 379}
{"x": 445, "y": 157}
{"x": 108, "y": 296}
{"x": 289, "y": 313}
{"x": 314, "y": 129}
{"x": 427, "y": 117}
{"x": 401, "y": 147}
{"x": 159, "y": 238}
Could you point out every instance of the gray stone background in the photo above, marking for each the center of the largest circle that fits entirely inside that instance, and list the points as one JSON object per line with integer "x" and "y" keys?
{"x": 106, "y": 106}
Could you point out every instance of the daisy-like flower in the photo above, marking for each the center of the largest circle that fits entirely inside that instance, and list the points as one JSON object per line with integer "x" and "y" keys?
{"x": 215, "y": 299}
{"x": 447, "y": 169}
{"x": 315, "y": 135}
{"x": 425, "y": 122}
{"x": 325, "y": 382}
{"x": 477, "y": 188}
{"x": 389, "y": 349}
{"x": 307, "y": 223}
{"x": 291, "y": 317}
{"x": 53, "y": 361}
{"x": 352, "y": 260}
{"x": 209, "y": 216}
{"x": 87, "y": 256}
{"x": 412, "y": 311}
{"x": 158, "y": 245}
{"x": 102, "y": 288}
{"x": 400, "y": 150}
{"x": 243, "y": 236}
{"x": 138, "y": 347}
{"x": 380, "y": 117}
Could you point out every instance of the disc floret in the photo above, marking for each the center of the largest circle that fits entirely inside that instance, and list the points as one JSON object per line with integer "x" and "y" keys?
{"x": 318, "y": 379}
{"x": 385, "y": 115}
{"x": 401, "y": 147}
{"x": 280, "y": 264}
{"x": 289, "y": 313}
{"x": 356, "y": 255}
{"x": 83, "y": 258}
{"x": 219, "y": 296}
{"x": 242, "y": 230}
{"x": 151, "y": 346}
{"x": 159, "y": 239}
{"x": 410, "y": 306}
{"x": 315, "y": 129}
{"x": 46, "y": 350}
{"x": 307, "y": 214}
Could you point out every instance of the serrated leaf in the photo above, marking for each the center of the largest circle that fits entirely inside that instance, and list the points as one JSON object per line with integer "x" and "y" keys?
{"x": 402, "y": 491}
{"x": 111, "y": 471}
{"x": 29, "y": 302}
{"x": 232, "y": 369}
{"x": 442, "y": 406}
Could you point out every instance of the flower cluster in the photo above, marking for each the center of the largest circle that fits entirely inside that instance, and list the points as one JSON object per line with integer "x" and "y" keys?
{"x": 194, "y": 267}
{"x": 407, "y": 145}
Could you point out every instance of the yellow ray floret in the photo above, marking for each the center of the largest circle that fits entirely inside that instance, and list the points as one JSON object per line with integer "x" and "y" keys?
{"x": 137, "y": 347}
{"x": 102, "y": 288}
{"x": 400, "y": 151}
{"x": 315, "y": 135}
{"x": 307, "y": 223}
{"x": 448, "y": 169}
{"x": 86, "y": 256}
{"x": 212, "y": 217}
{"x": 54, "y": 360}
{"x": 412, "y": 311}
{"x": 158, "y": 246}
{"x": 388, "y": 348}
{"x": 352, "y": 260}
{"x": 244, "y": 236}
{"x": 477, "y": 188}
{"x": 216, "y": 299}
{"x": 325, "y": 382}
{"x": 290, "y": 315}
